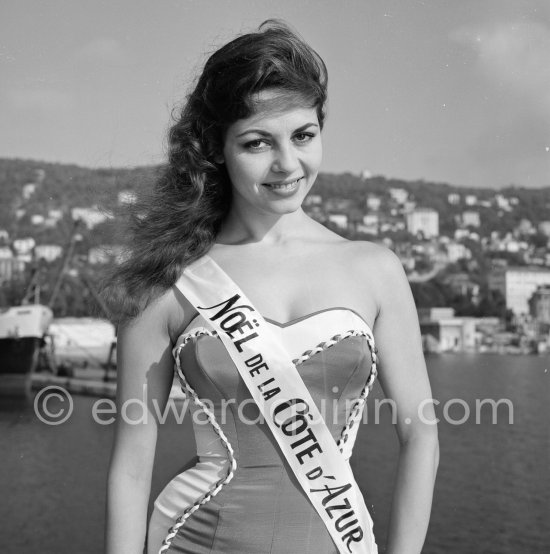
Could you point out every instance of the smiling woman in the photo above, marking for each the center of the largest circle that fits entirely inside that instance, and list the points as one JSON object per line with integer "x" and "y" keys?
{"x": 266, "y": 317}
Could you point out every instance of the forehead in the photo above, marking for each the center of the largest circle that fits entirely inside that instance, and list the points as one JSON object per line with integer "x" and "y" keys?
{"x": 276, "y": 110}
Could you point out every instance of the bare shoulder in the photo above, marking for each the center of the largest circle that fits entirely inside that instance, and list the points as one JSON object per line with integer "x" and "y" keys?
{"x": 169, "y": 313}
{"x": 378, "y": 267}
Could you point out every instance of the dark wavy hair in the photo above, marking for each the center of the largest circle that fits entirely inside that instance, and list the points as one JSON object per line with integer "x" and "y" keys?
{"x": 177, "y": 222}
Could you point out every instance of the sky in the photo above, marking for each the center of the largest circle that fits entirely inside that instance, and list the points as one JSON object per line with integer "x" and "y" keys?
{"x": 441, "y": 90}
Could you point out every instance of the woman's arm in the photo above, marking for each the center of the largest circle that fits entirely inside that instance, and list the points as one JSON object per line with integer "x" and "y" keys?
{"x": 144, "y": 378}
{"x": 403, "y": 376}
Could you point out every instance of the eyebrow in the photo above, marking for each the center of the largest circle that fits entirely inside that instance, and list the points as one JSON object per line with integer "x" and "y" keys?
{"x": 266, "y": 134}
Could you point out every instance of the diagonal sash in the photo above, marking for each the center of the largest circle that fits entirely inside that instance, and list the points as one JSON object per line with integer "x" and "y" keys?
{"x": 285, "y": 403}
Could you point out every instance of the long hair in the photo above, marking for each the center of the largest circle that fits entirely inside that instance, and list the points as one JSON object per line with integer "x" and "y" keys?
{"x": 179, "y": 219}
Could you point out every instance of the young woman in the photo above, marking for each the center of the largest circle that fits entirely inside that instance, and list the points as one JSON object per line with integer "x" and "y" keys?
{"x": 307, "y": 322}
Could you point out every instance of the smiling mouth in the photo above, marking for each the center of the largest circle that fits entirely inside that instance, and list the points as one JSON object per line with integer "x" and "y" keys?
{"x": 285, "y": 185}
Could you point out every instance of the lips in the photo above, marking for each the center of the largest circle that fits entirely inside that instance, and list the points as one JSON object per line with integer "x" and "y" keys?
{"x": 283, "y": 186}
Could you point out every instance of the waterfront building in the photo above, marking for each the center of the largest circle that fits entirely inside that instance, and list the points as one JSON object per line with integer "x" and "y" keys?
{"x": 539, "y": 304}
{"x": 423, "y": 221}
{"x": 443, "y": 332}
{"x": 518, "y": 284}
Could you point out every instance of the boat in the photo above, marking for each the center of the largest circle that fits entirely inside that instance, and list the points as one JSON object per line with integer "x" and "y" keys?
{"x": 22, "y": 336}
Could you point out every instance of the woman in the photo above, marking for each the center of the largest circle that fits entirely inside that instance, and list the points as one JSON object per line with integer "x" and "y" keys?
{"x": 243, "y": 155}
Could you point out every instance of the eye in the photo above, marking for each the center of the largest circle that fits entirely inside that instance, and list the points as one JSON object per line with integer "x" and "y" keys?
{"x": 302, "y": 138}
{"x": 256, "y": 144}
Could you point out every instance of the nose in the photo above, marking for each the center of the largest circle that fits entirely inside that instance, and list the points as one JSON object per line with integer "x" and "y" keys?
{"x": 286, "y": 159}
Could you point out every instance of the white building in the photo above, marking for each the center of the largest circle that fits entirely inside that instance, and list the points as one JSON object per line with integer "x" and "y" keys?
{"x": 470, "y": 199}
{"x": 37, "y": 219}
{"x": 48, "y": 252}
{"x": 453, "y": 198}
{"x": 518, "y": 285}
{"x": 90, "y": 216}
{"x": 313, "y": 200}
{"x": 5, "y": 253}
{"x": 127, "y": 197}
{"x": 502, "y": 202}
{"x": 340, "y": 220}
{"x": 28, "y": 190}
{"x": 469, "y": 217}
{"x": 544, "y": 228}
{"x": 56, "y": 214}
{"x": 423, "y": 220}
{"x": 24, "y": 245}
{"x": 373, "y": 202}
{"x": 457, "y": 251}
{"x": 4, "y": 235}
{"x": 399, "y": 195}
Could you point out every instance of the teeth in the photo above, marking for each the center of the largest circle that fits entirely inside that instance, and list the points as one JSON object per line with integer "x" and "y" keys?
{"x": 288, "y": 186}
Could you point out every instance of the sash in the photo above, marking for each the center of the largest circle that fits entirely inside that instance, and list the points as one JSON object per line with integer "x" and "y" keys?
{"x": 285, "y": 403}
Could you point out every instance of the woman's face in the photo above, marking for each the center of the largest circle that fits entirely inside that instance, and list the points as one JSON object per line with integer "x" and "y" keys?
{"x": 273, "y": 156}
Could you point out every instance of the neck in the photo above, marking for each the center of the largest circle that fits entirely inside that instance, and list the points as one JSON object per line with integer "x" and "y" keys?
{"x": 273, "y": 229}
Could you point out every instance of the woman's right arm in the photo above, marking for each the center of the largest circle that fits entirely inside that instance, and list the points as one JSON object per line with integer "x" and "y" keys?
{"x": 144, "y": 379}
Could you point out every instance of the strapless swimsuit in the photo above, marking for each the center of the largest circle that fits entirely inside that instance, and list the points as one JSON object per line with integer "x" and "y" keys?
{"x": 242, "y": 497}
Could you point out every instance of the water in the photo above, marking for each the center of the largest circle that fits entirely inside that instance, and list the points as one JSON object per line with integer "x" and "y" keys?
{"x": 492, "y": 493}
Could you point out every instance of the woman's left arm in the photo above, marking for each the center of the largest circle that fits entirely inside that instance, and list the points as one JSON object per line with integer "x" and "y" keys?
{"x": 404, "y": 379}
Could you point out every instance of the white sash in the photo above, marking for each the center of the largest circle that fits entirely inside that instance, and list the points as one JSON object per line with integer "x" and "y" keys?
{"x": 285, "y": 403}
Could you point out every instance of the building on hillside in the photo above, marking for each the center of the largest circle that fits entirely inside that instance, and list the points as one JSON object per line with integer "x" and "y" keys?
{"x": 461, "y": 283}
{"x": 470, "y": 199}
{"x": 544, "y": 228}
{"x": 502, "y": 202}
{"x": 28, "y": 190}
{"x": 517, "y": 284}
{"x": 399, "y": 195}
{"x": 24, "y": 245}
{"x": 37, "y": 219}
{"x": 525, "y": 227}
{"x": 338, "y": 205}
{"x": 127, "y": 197}
{"x": 10, "y": 268}
{"x": 457, "y": 251}
{"x": 453, "y": 198}
{"x": 340, "y": 220}
{"x": 48, "y": 252}
{"x": 470, "y": 218}
{"x": 423, "y": 221}
{"x": 4, "y": 236}
{"x": 373, "y": 202}
{"x": 90, "y": 216}
{"x": 313, "y": 200}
